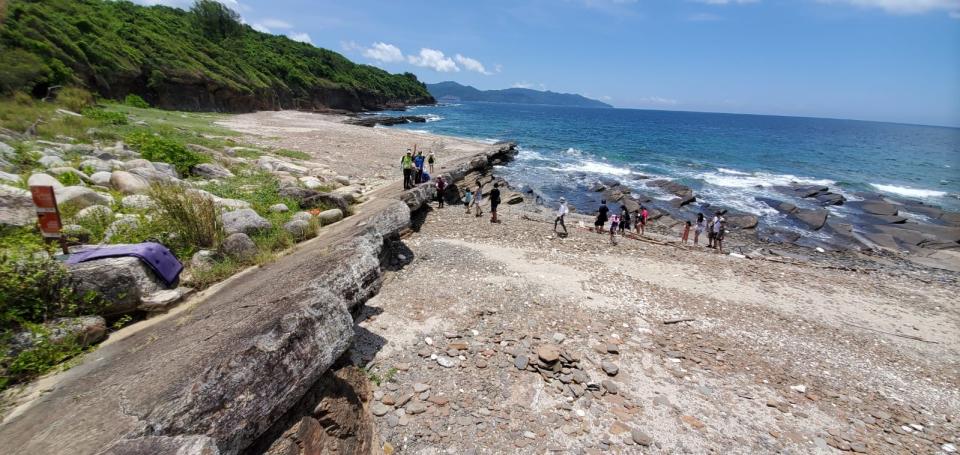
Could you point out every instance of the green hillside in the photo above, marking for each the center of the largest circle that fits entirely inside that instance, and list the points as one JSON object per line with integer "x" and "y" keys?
{"x": 202, "y": 59}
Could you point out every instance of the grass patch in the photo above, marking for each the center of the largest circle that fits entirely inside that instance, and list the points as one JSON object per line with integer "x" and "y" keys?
{"x": 158, "y": 148}
{"x": 195, "y": 219}
{"x": 295, "y": 154}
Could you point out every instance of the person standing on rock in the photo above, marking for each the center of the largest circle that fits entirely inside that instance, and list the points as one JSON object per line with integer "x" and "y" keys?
{"x": 430, "y": 161}
{"x": 494, "y": 202}
{"x": 686, "y": 233}
{"x": 562, "y": 211}
{"x": 406, "y": 163}
{"x": 601, "y": 216}
{"x": 711, "y": 235}
{"x": 718, "y": 231}
{"x": 418, "y": 162}
{"x": 701, "y": 225}
{"x": 441, "y": 185}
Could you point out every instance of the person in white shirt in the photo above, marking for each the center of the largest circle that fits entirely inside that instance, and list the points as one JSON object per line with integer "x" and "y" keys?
{"x": 561, "y": 212}
{"x": 718, "y": 231}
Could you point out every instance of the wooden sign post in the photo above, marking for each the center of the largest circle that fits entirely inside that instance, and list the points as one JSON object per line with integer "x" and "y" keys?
{"x": 48, "y": 215}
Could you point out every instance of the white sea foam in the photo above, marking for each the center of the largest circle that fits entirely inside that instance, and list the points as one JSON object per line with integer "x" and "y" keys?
{"x": 731, "y": 171}
{"x": 745, "y": 180}
{"x": 527, "y": 154}
{"x": 573, "y": 152}
{"x": 593, "y": 167}
{"x": 489, "y": 140}
{"x": 419, "y": 131}
{"x": 909, "y": 192}
{"x": 432, "y": 118}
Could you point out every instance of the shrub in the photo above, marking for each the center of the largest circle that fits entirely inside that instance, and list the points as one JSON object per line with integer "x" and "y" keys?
{"x": 21, "y": 70}
{"x": 157, "y": 148}
{"x": 74, "y": 99}
{"x": 135, "y": 101}
{"x": 41, "y": 358}
{"x": 106, "y": 117}
{"x": 23, "y": 99}
{"x": 193, "y": 217}
{"x": 69, "y": 179}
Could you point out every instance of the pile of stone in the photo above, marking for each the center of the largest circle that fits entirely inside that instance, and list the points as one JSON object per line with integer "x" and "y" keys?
{"x": 563, "y": 369}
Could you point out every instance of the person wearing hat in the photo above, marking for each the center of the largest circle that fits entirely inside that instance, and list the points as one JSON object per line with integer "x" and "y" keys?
{"x": 562, "y": 211}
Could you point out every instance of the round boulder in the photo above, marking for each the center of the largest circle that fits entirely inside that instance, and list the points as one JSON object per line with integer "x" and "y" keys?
{"x": 239, "y": 246}
{"x": 100, "y": 178}
{"x": 244, "y": 220}
{"x": 94, "y": 212}
{"x": 44, "y": 180}
{"x": 16, "y": 207}
{"x": 279, "y": 208}
{"x": 299, "y": 229}
{"x": 137, "y": 202}
{"x": 82, "y": 197}
{"x": 128, "y": 183}
{"x": 330, "y": 216}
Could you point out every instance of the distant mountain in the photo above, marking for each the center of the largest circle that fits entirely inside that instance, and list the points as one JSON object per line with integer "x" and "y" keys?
{"x": 452, "y": 91}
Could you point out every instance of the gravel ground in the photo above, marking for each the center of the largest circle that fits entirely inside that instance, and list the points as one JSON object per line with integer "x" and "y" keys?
{"x": 500, "y": 338}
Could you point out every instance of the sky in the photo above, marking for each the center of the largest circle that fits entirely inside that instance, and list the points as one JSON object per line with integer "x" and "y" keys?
{"x": 886, "y": 60}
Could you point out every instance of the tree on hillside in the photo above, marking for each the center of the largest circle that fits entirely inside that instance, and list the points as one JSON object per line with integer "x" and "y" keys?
{"x": 216, "y": 20}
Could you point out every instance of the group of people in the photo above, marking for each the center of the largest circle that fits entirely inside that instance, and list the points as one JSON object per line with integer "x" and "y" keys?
{"x": 474, "y": 200}
{"x": 621, "y": 223}
{"x": 413, "y": 168}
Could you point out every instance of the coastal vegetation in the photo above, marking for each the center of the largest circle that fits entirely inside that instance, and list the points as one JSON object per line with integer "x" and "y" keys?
{"x": 201, "y": 59}
{"x": 84, "y": 143}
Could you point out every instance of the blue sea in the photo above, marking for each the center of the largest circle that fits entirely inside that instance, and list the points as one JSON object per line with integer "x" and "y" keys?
{"x": 730, "y": 160}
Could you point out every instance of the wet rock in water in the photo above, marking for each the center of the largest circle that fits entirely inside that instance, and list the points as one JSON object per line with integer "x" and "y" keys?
{"x": 813, "y": 218}
{"x": 330, "y": 216}
{"x": 879, "y": 208}
{"x": 211, "y": 171}
{"x": 596, "y": 187}
{"x": 246, "y": 221}
{"x": 299, "y": 229}
{"x": 616, "y": 192}
{"x": 685, "y": 193}
{"x": 16, "y": 207}
{"x": 951, "y": 217}
{"x": 631, "y": 204}
{"x": 741, "y": 221}
{"x": 831, "y": 199}
{"x": 239, "y": 246}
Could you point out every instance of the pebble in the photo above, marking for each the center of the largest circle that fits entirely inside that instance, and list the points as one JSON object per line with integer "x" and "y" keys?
{"x": 549, "y": 353}
{"x": 799, "y": 388}
{"x": 379, "y": 409}
{"x": 420, "y": 387}
{"x": 610, "y": 368}
{"x": 521, "y": 361}
{"x": 446, "y": 362}
{"x": 529, "y": 435}
{"x": 610, "y": 386}
{"x": 559, "y": 337}
{"x": 416, "y": 407}
{"x": 428, "y": 340}
{"x": 613, "y": 349}
{"x": 641, "y": 438}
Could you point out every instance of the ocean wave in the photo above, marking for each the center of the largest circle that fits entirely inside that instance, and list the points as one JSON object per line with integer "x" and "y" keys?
{"x": 419, "y": 131}
{"x": 592, "y": 167}
{"x": 747, "y": 180}
{"x": 909, "y": 192}
{"x": 488, "y": 140}
{"x": 731, "y": 171}
{"x": 527, "y": 154}
{"x": 573, "y": 152}
{"x": 432, "y": 118}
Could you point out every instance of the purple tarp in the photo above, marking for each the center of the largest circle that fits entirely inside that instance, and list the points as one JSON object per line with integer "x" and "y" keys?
{"x": 154, "y": 255}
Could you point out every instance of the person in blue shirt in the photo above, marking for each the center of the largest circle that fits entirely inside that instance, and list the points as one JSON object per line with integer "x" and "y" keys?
{"x": 419, "y": 161}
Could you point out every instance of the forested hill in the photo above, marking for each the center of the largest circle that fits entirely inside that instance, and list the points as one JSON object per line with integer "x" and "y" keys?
{"x": 454, "y": 91}
{"x": 202, "y": 59}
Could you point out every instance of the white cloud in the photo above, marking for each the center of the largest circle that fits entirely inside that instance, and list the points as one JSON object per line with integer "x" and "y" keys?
{"x": 952, "y": 7}
{"x": 471, "y": 64}
{"x": 301, "y": 37}
{"x": 261, "y": 28}
{"x": 432, "y": 58}
{"x": 276, "y": 23}
{"x": 384, "y": 52}
{"x": 657, "y": 100}
{"x": 497, "y": 68}
{"x": 523, "y": 84}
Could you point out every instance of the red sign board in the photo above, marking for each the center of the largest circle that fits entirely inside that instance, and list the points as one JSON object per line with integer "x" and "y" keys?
{"x": 49, "y": 217}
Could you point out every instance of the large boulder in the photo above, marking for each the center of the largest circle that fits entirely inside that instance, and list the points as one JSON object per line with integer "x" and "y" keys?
{"x": 330, "y": 216}
{"x": 246, "y": 221}
{"x": 311, "y": 182}
{"x": 100, "y": 178}
{"x": 82, "y": 197}
{"x": 239, "y": 246}
{"x": 831, "y": 199}
{"x": 138, "y": 202}
{"x": 7, "y": 177}
{"x": 123, "y": 225}
{"x": 96, "y": 164}
{"x": 152, "y": 174}
{"x": 814, "y": 219}
{"x": 44, "y": 180}
{"x": 299, "y": 229}
{"x": 513, "y": 198}
{"x": 128, "y": 183}
{"x": 211, "y": 171}
{"x": 879, "y": 208}
{"x": 741, "y": 221}
{"x": 120, "y": 282}
{"x": 167, "y": 169}
{"x": 49, "y": 161}
{"x": 677, "y": 189}
{"x": 84, "y": 330}
{"x": 137, "y": 163}
{"x": 16, "y": 207}
{"x": 308, "y": 198}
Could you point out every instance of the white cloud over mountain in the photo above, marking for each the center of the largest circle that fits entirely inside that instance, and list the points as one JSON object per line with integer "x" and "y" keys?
{"x": 432, "y": 58}
{"x": 384, "y": 52}
{"x": 952, "y": 7}
{"x": 471, "y": 64}
{"x": 301, "y": 37}
{"x": 427, "y": 58}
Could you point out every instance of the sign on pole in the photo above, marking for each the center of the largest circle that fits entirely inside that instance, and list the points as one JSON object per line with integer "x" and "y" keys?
{"x": 48, "y": 215}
